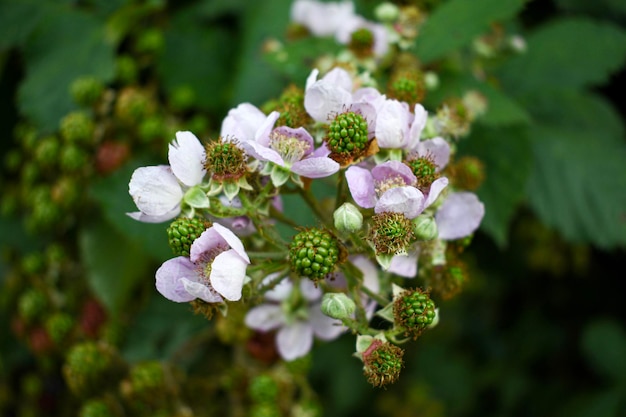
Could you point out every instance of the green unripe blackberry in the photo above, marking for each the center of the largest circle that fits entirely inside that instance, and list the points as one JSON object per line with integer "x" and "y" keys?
{"x": 126, "y": 69}
{"x": 32, "y": 304}
{"x": 77, "y": 127}
{"x": 414, "y": 311}
{"x": 265, "y": 410}
{"x": 425, "y": 169}
{"x": 183, "y": 231}
{"x": 58, "y": 326}
{"x": 133, "y": 105}
{"x": 347, "y": 134}
{"x": 47, "y": 150}
{"x": 362, "y": 42}
{"x": 182, "y": 98}
{"x": 148, "y": 379}
{"x": 91, "y": 367}
{"x": 150, "y": 41}
{"x": 72, "y": 158}
{"x": 382, "y": 363}
{"x": 390, "y": 233}
{"x": 407, "y": 86}
{"x": 263, "y": 389}
{"x": 314, "y": 253}
{"x": 86, "y": 91}
{"x": 225, "y": 160}
{"x": 96, "y": 408}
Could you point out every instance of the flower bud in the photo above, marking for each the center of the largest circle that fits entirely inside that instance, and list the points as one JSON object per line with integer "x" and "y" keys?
{"x": 387, "y": 12}
{"x": 425, "y": 227}
{"x": 348, "y": 218}
{"x": 338, "y": 305}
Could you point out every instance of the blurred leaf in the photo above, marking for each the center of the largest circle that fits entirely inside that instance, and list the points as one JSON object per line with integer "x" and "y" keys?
{"x": 18, "y": 20}
{"x": 112, "y": 195}
{"x": 114, "y": 266}
{"x": 199, "y": 56}
{"x": 160, "y": 329}
{"x": 507, "y": 156}
{"x": 564, "y": 54}
{"x": 457, "y": 22}
{"x": 604, "y": 345}
{"x": 256, "y": 81}
{"x": 605, "y": 404}
{"x": 68, "y": 44}
{"x": 605, "y": 8}
{"x": 578, "y": 180}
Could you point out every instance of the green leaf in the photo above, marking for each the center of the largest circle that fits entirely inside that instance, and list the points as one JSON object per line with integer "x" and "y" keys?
{"x": 114, "y": 265}
{"x": 111, "y": 193}
{"x": 457, "y": 22}
{"x": 198, "y": 56}
{"x": 507, "y": 156}
{"x": 66, "y": 45}
{"x": 577, "y": 185}
{"x": 604, "y": 8}
{"x": 18, "y": 20}
{"x": 604, "y": 345}
{"x": 566, "y": 53}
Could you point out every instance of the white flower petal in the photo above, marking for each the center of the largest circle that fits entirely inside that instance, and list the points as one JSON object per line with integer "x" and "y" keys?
{"x": 438, "y": 148}
{"x": 459, "y": 215}
{"x": 228, "y": 271}
{"x": 404, "y": 265}
{"x": 392, "y": 125}
{"x": 281, "y": 291}
{"x": 265, "y": 317}
{"x": 435, "y": 189}
{"x": 186, "y": 156}
{"x": 142, "y": 217}
{"x": 294, "y": 340}
{"x": 315, "y": 167}
{"x": 406, "y": 200}
{"x": 155, "y": 190}
{"x": 324, "y": 327}
{"x": 169, "y": 279}
{"x": 322, "y": 100}
{"x": 232, "y": 240}
{"x": 201, "y": 291}
{"x": 242, "y": 122}
{"x": 419, "y": 122}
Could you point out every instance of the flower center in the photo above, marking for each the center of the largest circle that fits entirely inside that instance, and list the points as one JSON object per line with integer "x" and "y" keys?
{"x": 290, "y": 148}
{"x": 390, "y": 233}
{"x": 225, "y": 161}
{"x": 204, "y": 265}
{"x": 425, "y": 169}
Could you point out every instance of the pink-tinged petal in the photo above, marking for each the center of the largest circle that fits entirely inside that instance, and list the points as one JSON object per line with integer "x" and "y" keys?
{"x": 404, "y": 265}
{"x": 228, "y": 271}
{"x": 322, "y": 19}
{"x": 186, "y": 156}
{"x": 324, "y": 327}
{"x": 262, "y": 135}
{"x": 312, "y": 78}
{"x": 419, "y": 122}
{"x": 315, "y": 167}
{"x": 232, "y": 240}
{"x": 265, "y": 317}
{"x": 392, "y": 125}
{"x": 381, "y": 39}
{"x": 209, "y": 240}
{"x": 339, "y": 78}
{"x": 435, "y": 190}
{"x": 392, "y": 169}
{"x": 459, "y": 215}
{"x": 438, "y": 148}
{"x": 155, "y": 190}
{"x": 242, "y": 122}
{"x": 368, "y": 112}
{"x": 201, "y": 291}
{"x": 369, "y": 95}
{"x": 406, "y": 200}
{"x": 361, "y": 185}
{"x": 169, "y": 279}
{"x": 322, "y": 100}
{"x": 309, "y": 290}
{"x": 261, "y": 152}
{"x": 321, "y": 151}
{"x": 294, "y": 340}
{"x": 370, "y": 272}
{"x": 142, "y": 217}
{"x": 300, "y": 133}
{"x": 281, "y": 291}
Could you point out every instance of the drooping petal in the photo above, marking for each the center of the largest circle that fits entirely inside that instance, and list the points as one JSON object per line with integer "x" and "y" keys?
{"x": 232, "y": 240}
{"x": 169, "y": 279}
{"x": 201, "y": 291}
{"x": 324, "y": 327}
{"x": 265, "y": 317}
{"x": 406, "y": 200}
{"x": 261, "y": 152}
{"x": 361, "y": 185}
{"x": 370, "y": 272}
{"x": 435, "y": 189}
{"x": 228, "y": 271}
{"x": 310, "y": 291}
{"x": 419, "y": 122}
{"x": 242, "y": 122}
{"x": 404, "y": 265}
{"x": 459, "y": 215}
{"x": 281, "y": 291}
{"x": 392, "y": 125}
{"x": 186, "y": 156}
{"x": 294, "y": 340}
{"x": 155, "y": 190}
{"x": 142, "y": 217}
{"x": 262, "y": 134}
{"x": 315, "y": 167}
{"x": 438, "y": 148}
{"x": 392, "y": 169}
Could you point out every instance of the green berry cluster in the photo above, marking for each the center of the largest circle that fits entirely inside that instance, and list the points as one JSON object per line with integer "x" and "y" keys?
{"x": 425, "y": 169}
{"x": 407, "y": 86}
{"x": 347, "y": 134}
{"x": 383, "y": 363}
{"x": 86, "y": 91}
{"x": 390, "y": 233}
{"x": 362, "y": 42}
{"x": 90, "y": 367}
{"x": 183, "y": 231}
{"x": 225, "y": 161}
{"x": 147, "y": 378}
{"x": 314, "y": 253}
{"x": 96, "y": 408}
{"x": 414, "y": 311}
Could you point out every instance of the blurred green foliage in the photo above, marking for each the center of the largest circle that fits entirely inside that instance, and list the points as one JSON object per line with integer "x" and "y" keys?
{"x": 539, "y": 330}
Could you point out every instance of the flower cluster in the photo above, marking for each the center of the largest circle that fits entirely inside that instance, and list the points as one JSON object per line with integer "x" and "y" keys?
{"x": 396, "y": 205}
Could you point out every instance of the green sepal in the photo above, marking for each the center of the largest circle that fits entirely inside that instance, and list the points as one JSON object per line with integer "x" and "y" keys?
{"x": 231, "y": 189}
{"x": 384, "y": 260}
{"x": 196, "y": 198}
{"x": 279, "y": 175}
{"x": 386, "y": 313}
